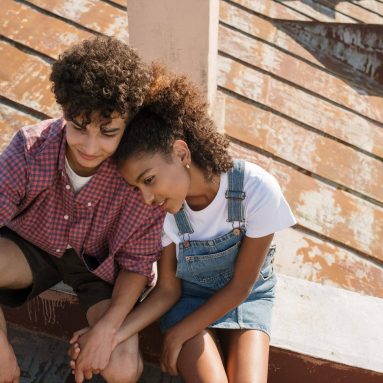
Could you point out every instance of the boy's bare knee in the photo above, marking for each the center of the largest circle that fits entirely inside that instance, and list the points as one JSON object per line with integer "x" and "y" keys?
{"x": 124, "y": 373}
{"x": 126, "y": 364}
{"x": 15, "y": 271}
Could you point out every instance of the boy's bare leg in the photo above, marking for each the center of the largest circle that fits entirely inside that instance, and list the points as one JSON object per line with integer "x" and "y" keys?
{"x": 15, "y": 273}
{"x": 126, "y": 363}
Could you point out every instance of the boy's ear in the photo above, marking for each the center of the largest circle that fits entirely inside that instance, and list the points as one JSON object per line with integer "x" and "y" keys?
{"x": 182, "y": 151}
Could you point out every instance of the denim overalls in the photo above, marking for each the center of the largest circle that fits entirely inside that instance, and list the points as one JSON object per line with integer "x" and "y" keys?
{"x": 207, "y": 266}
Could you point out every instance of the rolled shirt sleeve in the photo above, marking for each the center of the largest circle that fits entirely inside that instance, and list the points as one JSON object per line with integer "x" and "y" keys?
{"x": 144, "y": 247}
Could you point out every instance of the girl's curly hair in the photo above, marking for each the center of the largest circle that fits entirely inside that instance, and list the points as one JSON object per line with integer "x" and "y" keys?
{"x": 176, "y": 110}
{"x": 101, "y": 75}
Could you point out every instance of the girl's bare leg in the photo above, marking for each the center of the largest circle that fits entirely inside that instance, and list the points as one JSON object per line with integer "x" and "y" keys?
{"x": 200, "y": 360}
{"x": 247, "y": 355}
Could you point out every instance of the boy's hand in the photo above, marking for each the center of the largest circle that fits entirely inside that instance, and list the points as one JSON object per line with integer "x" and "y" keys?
{"x": 92, "y": 355}
{"x": 170, "y": 351}
{"x": 9, "y": 369}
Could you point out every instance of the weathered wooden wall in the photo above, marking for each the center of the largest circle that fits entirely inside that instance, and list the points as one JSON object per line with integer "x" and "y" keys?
{"x": 304, "y": 99}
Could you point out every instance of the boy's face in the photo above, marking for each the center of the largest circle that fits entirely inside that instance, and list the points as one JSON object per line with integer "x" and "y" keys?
{"x": 88, "y": 146}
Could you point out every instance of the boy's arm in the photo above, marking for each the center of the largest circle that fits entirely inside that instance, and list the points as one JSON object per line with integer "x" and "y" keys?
{"x": 165, "y": 294}
{"x": 98, "y": 343}
{"x": 250, "y": 259}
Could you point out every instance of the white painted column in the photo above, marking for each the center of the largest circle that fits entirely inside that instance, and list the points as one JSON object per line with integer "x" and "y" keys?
{"x": 182, "y": 34}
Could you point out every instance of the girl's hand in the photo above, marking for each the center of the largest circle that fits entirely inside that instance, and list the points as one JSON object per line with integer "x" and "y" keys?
{"x": 170, "y": 351}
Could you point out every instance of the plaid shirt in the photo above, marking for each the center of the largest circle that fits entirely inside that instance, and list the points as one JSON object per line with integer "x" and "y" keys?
{"x": 106, "y": 222}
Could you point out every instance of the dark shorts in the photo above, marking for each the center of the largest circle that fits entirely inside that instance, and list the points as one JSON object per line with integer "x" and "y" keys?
{"x": 48, "y": 270}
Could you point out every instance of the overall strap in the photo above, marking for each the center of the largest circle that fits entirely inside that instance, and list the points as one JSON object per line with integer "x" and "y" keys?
{"x": 183, "y": 222}
{"x": 235, "y": 193}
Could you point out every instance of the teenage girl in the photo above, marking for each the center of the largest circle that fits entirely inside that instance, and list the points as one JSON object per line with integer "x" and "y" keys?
{"x": 217, "y": 261}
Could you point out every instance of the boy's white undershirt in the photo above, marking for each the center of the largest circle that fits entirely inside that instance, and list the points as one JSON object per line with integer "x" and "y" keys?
{"x": 77, "y": 181}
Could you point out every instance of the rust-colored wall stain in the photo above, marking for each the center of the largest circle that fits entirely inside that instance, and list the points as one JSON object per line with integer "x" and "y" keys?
{"x": 272, "y": 9}
{"x": 25, "y": 79}
{"x": 97, "y": 15}
{"x": 301, "y": 106}
{"x": 304, "y": 148}
{"x": 304, "y": 256}
{"x": 289, "y": 68}
{"x": 42, "y": 33}
{"x": 329, "y": 211}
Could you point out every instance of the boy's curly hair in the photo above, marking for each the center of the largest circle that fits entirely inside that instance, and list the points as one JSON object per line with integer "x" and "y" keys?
{"x": 176, "y": 110}
{"x": 100, "y": 74}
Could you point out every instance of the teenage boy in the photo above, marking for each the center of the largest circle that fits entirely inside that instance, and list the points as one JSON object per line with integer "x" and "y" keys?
{"x": 67, "y": 214}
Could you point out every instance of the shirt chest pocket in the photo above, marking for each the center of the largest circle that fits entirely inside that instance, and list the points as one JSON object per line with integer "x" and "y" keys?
{"x": 213, "y": 270}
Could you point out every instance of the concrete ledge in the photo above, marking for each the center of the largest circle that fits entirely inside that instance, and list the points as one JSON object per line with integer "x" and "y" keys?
{"x": 319, "y": 332}
{"x": 328, "y": 323}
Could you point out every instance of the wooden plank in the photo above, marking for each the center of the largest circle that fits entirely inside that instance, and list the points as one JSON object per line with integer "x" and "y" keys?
{"x": 276, "y": 34}
{"x": 324, "y": 209}
{"x": 42, "y": 33}
{"x": 12, "y": 120}
{"x": 304, "y": 148}
{"x": 272, "y": 9}
{"x": 119, "y": 2}
{"x": 372, "y": 5}
{"x": 25, "y": 79}
{"x": 93, "y": 14}
{"x": 352, "y": 10}
{"x": 317, "y": 11}
{"x": 290, "y": 68}
{"x": 301, "y": 106}
{"x": 310, "y": 258}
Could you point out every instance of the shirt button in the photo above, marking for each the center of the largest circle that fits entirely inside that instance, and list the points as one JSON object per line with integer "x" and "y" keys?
{"x": 66, "y": 216}
{"x": 67, "y": 187}
{"x": 89, "y": 203}
{"x": 58, "y": 250}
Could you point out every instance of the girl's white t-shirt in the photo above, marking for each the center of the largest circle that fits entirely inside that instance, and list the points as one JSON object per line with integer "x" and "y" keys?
{"x": 265, "y": 208}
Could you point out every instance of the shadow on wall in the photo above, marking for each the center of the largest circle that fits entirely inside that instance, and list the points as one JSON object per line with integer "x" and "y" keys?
{"x": 354, "y": 52}
{"x": 327, "y": 8}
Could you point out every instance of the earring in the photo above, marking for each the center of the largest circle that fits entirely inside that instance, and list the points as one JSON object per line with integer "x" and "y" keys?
{"x": 187, "y": 166}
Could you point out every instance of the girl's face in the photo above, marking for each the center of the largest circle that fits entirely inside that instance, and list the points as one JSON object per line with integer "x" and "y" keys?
{"x": 88, "y": 146}
{"x": 162, "y": 181}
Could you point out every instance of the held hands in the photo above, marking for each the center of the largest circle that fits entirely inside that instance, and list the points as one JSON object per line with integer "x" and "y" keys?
{"x": 90, "y": 351}
{"x": 171, "y": 349}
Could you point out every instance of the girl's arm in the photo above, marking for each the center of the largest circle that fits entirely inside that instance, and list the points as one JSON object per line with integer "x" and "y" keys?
{"x": 250, "y": 259}
{"x": 164, "y": 295}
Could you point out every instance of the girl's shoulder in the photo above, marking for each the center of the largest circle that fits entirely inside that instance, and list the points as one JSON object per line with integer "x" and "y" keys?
{"x": 257, "y": 180}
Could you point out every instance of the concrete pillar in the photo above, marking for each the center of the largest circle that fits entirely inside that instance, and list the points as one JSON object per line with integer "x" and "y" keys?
{"x": 183, "y": 34}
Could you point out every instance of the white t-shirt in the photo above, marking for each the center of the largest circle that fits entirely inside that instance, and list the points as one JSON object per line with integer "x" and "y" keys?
{"x": 265, "y": 208}
{"x": 77, "y": 181}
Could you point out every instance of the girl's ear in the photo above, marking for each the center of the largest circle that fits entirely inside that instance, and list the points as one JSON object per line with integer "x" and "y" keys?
{"x": 182, "y": 151}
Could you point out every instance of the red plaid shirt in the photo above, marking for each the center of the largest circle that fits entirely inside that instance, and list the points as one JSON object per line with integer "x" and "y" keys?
{"x": 106, "y": 222}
